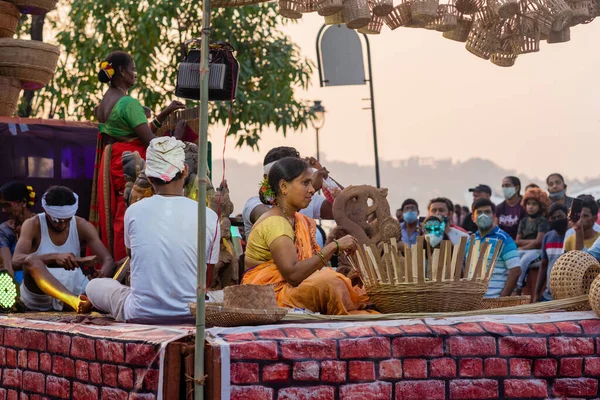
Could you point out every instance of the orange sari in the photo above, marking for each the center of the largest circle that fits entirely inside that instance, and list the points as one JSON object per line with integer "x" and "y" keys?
{"x": 325, "y": 291}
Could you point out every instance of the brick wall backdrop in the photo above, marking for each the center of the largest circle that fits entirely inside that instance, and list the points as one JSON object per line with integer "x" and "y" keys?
{"x": 38, "y": 364}
{"x": 465, "y": 361}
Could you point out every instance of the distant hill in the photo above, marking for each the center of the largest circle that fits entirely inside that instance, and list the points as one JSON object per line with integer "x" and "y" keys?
{"x": 418, "y": 178}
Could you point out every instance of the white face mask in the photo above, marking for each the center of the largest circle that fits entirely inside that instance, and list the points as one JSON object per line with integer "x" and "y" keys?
{"x": 509, "y": 192}
{"x": 434, "y": 240}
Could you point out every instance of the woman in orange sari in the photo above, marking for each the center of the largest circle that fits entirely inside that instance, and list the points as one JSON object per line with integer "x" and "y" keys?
{"x": 282, "y": 249}
{"x": 123, "y": 127}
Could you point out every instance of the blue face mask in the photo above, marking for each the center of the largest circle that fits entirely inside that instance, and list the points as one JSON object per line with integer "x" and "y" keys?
{"x": 484, "y": 222}
{"x": 410, "y": 216}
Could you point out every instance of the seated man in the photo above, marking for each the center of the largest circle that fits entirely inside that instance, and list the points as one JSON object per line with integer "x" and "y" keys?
{"x": 443, "y": 208}
{"x": 161, "y": 237}
{"x": 508, "y": 268}
{"x": 318, "y": 208}
{"x": 47, "y": 251}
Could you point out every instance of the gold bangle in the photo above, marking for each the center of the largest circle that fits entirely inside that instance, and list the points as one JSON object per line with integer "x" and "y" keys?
{"x": 322, "y": 257}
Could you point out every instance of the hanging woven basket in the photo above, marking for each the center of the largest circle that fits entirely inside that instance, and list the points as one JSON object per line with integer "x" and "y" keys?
{"x": 504, "y": 8}
{"x": 468, "y": 7}
{"x": 503, "y": 59}
{"x": 381, "y": 8}
{"x": 290, "y": 9}
{"x": 35, "y": 7}
{"x": 446, "y": 19}
{"x": 335, "y": 19}
{"x": 482, "y": 42}
{"x": 330, "y": 7}
{"x": 399, "y": 16}
{"x": 486, "y": 17}
{"x": 356, "y": 13}
{"x": 572, "y": 275}
{"x": 374, "y": 27}
{"x": 583, "y": 10}
{"x": 10, "y": 90}
{"x": 423, "y": 11}
{"x": 9, "y": 19}
{"x": 31, "y": 62}
{"x": 309, "y": 6}
{"x": 461, "y": 32}
{"x": 526, "y": 45}
{"x": 234, "y": 3}
{"x": 561, "y": 13}
{"x": 562, "y": 36}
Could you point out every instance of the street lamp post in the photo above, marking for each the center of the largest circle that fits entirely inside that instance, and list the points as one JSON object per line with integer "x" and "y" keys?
{"x": 318, "y": 120}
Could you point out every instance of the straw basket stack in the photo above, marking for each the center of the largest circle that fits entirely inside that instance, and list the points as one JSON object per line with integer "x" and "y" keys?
{"x": 572, "y": 275}
{"x": 24, "y": 64}
{"x": 409, "y": 284}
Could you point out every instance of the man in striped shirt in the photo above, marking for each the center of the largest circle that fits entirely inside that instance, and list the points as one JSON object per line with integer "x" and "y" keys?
{"x": 508, "y": 266}
{"x": 552, "y": 249}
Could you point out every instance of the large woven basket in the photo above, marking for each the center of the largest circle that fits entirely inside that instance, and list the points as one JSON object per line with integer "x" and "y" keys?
{"x": 31, "y": 62}
{"x": 562, "y": 36}
{"x": 572, "y": 275}
{"x": 486, "y": 17}
{"x": 309, "y": 6}
{"x": 10, "y": 89}
{"x": 503, "y": 58}
{"x": 561, "y": 13}
{"x": 482, "y": 42}
{"x": 330, "y": 7}
{"x": 423, "y": 11}
{"x": 217, "y": 314}
{"x": 446, "y": 19}
{"x": 289, "y": 9}
{"x": 334, "y": 19}
{"x": 468, "y": 7}
{"x": 595, "y": 295}
{"x": 504, "y": 8}
{"x": 583, "y": 10}
{"x": 461, "y": 32}
{"x": 381, "y": 8}
{"x": 356, "y": 13}
{"x": 374, "y": 27}
{"x": 250, "y": 296}
{"x": 399, "y": 16}
{"x": 9, "y": 19}
{"x": 35, "y": 7}
{"x": 501, "y": 302}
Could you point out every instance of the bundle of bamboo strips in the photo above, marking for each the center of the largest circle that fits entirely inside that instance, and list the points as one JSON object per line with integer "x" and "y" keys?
{"x": 407, "y": 284}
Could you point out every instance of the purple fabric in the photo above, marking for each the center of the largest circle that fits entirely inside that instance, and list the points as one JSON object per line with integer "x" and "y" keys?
{"x": 510, "y": 217}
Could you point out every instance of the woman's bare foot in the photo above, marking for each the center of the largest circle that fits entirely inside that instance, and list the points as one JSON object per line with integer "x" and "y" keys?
{"x": 83, "y": 305}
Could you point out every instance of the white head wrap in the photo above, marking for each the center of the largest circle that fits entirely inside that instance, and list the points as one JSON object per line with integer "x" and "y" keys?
{"x": 165, "y": 158}
{"x": 268, "y": 167}
{"x": 61, "y": 212}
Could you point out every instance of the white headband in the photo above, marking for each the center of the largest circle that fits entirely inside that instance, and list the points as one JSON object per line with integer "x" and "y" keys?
{"x": 268, "y": 167}
{"x": 61, "y": 212}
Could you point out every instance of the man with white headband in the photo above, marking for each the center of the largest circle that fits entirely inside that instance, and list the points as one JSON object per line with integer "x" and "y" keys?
{"x": 161, "y": 236}
{"x": 319, "y": 207}
{"x": 48, "y": 248}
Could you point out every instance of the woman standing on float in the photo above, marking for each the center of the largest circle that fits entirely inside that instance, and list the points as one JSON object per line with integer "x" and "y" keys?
{"x": 123, "y": 128}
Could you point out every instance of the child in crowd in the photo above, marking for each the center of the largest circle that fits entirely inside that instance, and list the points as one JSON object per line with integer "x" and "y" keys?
{"x": 532, "y": 230}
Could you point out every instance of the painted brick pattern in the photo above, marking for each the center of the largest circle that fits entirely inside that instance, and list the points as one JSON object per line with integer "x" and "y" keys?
{"x": 475, "y": 360}
{"x": 40, "y": 364}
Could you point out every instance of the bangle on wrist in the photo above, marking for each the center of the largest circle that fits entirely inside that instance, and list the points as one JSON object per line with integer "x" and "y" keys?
{"x": 322, "y": 257}
{"x": 337, "y": 248}
{"x": 156, "y": 123}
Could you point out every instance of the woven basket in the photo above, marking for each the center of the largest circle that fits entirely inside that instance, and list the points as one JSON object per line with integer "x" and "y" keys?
{"x": 9, "y": 19}
{"x": 234, "y": 3}
{"x": 595, "y": 296}
{"x": 501, "y": 302}
{"x": 356, "y": 13}
{"x": 10, "y": 89}
{"x": 423, "y": 11}
{"x": 381, "y": 8}
{"x": 249, "y": 296}
{"x": 427, "y": 297}
{"x": 572, "y": 275}
{"x": 334, "y": 19}
{"x": 330, "y": 7}
{"x": 461, "y": 32}
{"x": 399, "y": 16}
{"x": 468, "y": 7}
{"x": 486, "y": 17}
{"x": 562, "y": 36}
{"x": 289, "y": 9}
{"x": 561, "y": 13}
{"x": 446, "y": 19}
{"x": 482, "y": 42}
{"x": 504, "y": 8}
{"x": 218, "y": 315}
{"x": 35, "y": 7}
{"x": 309, "y": 6}
{"x": 31, "y": 62}
{"x": 525, "y": 45}
{"x": 374, "y": 27}
{"x": 583, "y": 10}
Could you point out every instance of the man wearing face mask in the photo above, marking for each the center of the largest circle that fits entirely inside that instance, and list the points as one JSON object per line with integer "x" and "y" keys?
{"x": 510, "y": 212}
{"x": 557, "y": 190}
{"x": 552, "y": 249}
{"x": 508, "y": 268}
{"x": 410, "y": 225}
{"x": 440, "y": 207}
{"x": 479, "y": 192}
{"x": 433, "y": 228}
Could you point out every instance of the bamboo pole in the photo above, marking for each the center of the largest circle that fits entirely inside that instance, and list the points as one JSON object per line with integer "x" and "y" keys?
{"x": 202, "y": 173}
{"x": 420, "y": 263}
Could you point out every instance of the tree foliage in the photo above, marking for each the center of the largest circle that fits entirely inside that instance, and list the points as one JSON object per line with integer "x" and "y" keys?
{"x": 271, "y": 66}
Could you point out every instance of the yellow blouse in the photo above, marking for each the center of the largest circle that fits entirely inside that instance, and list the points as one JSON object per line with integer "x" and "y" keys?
{"x": 264, "y": 233}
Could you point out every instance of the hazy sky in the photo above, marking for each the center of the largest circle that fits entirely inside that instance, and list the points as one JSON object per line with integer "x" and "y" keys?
{"x": 435, "y": 99}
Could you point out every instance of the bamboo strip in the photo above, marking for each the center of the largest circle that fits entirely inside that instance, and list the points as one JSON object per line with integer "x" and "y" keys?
{"x": 448, "y": 260}
{"x": 454, "y": 263}
{"x": 388, "y": 265}
{"x": 408, "y": 264}
{"x": 486, "y": 261}
{"x": 460, "y": 258}
{"x": 469, "y": 257}
{"x": 434, "y": 261}
{"x": 362, "y": 260}
{"x": 441, "y": 263}
{"x": 373, "y": 263}
{"x": 394, "y": 244}
{"x": 420, "y": 263}
{"x": 497, "y": 251}
{"x": 479, "y": 265}
{"x": 429, "y": 265}
{"x": 392, "y": 258}
{"x": 415, "y": 262}
{"x": 378, "y": 262}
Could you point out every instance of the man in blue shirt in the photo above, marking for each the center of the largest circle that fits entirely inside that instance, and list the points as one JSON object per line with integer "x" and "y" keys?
{"x": 410, "y": 225}
{"x": 508, "y": 268}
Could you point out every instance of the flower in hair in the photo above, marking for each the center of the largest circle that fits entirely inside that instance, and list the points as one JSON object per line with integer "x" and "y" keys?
{"x": 267, "y": 192}
{"x": 107, "y": 68}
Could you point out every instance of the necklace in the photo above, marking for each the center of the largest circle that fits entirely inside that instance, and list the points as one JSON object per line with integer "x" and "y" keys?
{"x": 121, "y": 90}
{"x": 290, "y": 220}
